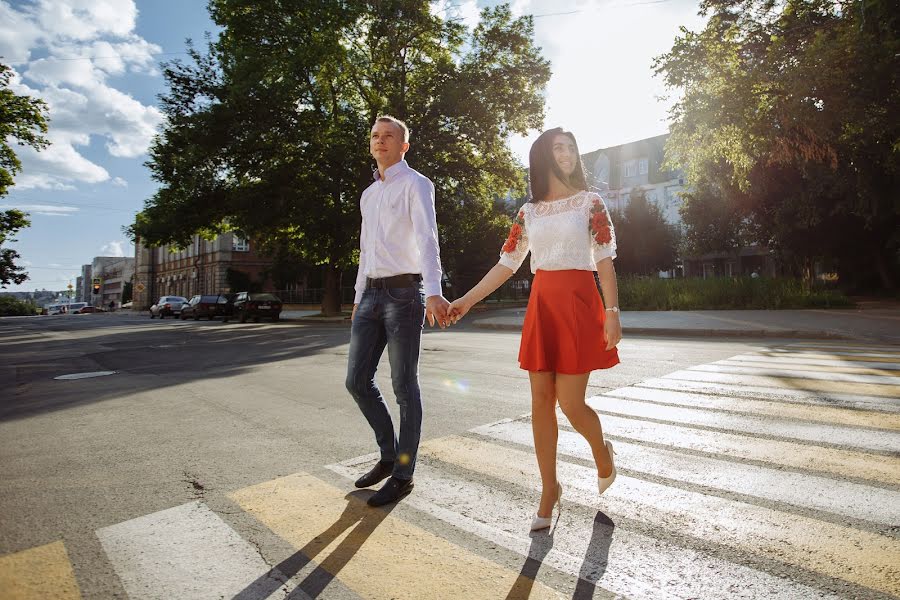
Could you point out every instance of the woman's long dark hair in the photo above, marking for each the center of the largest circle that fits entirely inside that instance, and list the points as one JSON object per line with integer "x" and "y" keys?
{"x": 541, "y": 163}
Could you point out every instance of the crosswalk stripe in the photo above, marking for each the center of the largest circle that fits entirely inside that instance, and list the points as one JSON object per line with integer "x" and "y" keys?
{"x": 585, "y": 544}
{"x": 800, "y": 383}
{"x": 863, "y": 558}
{"x": 874, "y": 505}
{"x": 374, "y": 553}
{"x": 832, "y": 435}
{"x": 183, "y": 552}
{"x": 843, "y": 357}
{"x": 859, "y": 466}
{"x": 824, "y": 374}
{"x": 845, "y": 345}
{"x": 813, "y": 399}
{"x": 38, "y": 573}
{"x": 763, "y": 408}
{"x": 859, "y": 369}
{"x": 796, "y": 361}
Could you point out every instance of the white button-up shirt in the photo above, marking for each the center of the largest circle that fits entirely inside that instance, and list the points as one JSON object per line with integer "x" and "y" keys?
{"x": 399, "y": 229}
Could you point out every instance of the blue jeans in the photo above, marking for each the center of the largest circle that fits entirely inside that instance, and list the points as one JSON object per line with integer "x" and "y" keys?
{"x": 391, "y": 317}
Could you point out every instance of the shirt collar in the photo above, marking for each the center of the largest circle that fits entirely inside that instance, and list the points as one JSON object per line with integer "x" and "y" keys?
{"x": 391, "y": 171}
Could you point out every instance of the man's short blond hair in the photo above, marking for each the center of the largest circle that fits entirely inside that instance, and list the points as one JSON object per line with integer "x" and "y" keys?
{"x": 403, "y": 127}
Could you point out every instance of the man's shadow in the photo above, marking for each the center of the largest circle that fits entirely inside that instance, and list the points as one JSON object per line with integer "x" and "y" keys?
{"x": 592, "y": 569}
{"x": 356, "y": 513}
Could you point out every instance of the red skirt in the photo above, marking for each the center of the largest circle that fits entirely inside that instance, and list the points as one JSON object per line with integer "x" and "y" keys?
{"x": 563, "y": 330}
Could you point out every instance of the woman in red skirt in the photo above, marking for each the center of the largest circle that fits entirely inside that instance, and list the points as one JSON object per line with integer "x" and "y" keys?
{"x": 567, "y": 332}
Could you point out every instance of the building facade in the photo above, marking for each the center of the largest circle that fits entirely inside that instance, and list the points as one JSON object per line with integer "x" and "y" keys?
{"x": 84, "y": 287}
{"x": 201, "y": 268}
{"x": 113, "y": 272}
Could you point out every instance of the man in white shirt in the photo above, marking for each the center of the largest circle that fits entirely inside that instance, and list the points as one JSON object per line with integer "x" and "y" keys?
{"x": 399, "y": 252}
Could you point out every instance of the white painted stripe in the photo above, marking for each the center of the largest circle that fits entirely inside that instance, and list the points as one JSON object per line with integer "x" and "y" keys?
{"x": 799, "y": 374}
{"x": 847, "y": 346}
{"x": 629, "y": 564}
{"x": 792, "y": 360}
{"x": 183, "y": 552}
{"x": 837, "y": 352}
{"x": 850, "y": 437}
{"x": 869, "y": 389}
{"x": 766, "y": 408}
{"x": 863, "y": 502}
{"x": 811, "y": 397}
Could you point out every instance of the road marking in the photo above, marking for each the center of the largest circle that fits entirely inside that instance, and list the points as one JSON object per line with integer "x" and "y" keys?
{"x": 858, "y": 369}
{"x": 374, "y": 553}
{"x": 38, "y": 573}
{"x": 875, "y": 505}
{"x": 799, "y": 383}
{"x": 861, "y": 439}
{"x": 822, "y": 373}
{"x": 782, "y": 410}
{"x": 849, "y": 357}
{"x": 585, "y": 543}
{"x": 183, "y": 552}
{"x": 866, "y": 559}
{"x": 796, "y": 360}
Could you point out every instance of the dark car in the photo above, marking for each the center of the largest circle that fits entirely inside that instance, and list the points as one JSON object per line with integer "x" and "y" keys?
{"x": 209, "y": 306}
{"x": 167, "y": 306}
{"x": 253, "y": 305}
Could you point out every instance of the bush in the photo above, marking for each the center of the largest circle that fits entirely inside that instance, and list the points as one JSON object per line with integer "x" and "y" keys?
{"x": 726, "y": 293}
{"x": 13, "y": 307}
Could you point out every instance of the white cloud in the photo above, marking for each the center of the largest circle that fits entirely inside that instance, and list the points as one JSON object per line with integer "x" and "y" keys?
{"x": 119, "y": 182}
{"x": 113, "y": 248}
{"x": 50, "y": 210}
{"x": 86, "y": 43}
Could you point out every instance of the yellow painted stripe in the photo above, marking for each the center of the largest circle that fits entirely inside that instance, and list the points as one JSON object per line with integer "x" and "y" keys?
{"x": 782, "y": 410}
{"x": 38, "y": 573}
{"x": 374, "y": 553}
{"x": 860, "y": 557}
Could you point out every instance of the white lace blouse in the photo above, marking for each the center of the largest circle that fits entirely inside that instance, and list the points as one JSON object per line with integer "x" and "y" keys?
{"x": 570, "y": 233}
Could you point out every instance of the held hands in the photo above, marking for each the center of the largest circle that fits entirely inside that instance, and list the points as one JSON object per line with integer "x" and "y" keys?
{"x": 436, "y": 310}
{"x": 458, "y": 309}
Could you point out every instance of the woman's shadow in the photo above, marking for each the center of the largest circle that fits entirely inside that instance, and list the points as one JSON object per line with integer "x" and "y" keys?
{"x": 596, "y": 558}
{"x": 359, "y": 516}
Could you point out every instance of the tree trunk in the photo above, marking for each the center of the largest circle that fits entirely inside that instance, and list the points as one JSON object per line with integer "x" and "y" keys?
{"x": 331, "y": 298}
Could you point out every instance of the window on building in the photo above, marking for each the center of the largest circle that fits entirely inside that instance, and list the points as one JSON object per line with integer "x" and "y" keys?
{"x": 240, "y": 244}
{"x": 643, "y": 166}
{"x": 631, "y": 167}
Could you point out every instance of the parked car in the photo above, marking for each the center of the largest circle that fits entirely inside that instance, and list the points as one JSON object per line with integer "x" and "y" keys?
{"x": 88, "y": 309}
{"x": 77, "y": 308}
{"x": 209, "y": 306}
{"x": 128, "y": 305}
{"x": 167, "y": 306}
{"x": 253, "y": 305}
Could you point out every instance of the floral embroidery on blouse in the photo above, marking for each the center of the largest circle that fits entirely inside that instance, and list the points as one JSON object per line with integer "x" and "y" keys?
{"x": 600, "y": 225}
{"x": 515, "y": 233}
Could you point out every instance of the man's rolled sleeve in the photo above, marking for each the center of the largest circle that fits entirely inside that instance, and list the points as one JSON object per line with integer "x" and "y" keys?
{"x": 424, "y": 221}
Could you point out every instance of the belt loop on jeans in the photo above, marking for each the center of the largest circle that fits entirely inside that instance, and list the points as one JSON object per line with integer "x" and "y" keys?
{"x": 404, "y": 280}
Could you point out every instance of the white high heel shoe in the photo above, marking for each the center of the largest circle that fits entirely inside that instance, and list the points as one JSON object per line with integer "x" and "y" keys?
{"x": 604, "y": 482}
{"x": 539, "y": 523}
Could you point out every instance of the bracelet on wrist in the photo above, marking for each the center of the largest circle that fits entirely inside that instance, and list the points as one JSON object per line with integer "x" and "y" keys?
{"x": 614, "y": 309}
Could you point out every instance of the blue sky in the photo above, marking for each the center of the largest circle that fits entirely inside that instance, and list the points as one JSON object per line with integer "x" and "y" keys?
{"x": 96, "y": 63}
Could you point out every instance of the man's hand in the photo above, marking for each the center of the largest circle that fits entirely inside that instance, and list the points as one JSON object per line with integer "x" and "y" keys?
{"x": 458, "y": 309}
{"x": 436, "y": 308}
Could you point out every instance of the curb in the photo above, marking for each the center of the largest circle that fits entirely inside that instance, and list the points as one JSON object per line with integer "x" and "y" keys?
{"x": 676, "y": 332}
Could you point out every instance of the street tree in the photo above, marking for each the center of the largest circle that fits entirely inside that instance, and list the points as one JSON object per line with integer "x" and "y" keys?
{"x": 266, "y": 131}
{"x": 652, "y": 242}
{"x": 22, "y": 119}
{"x": 791, "y": 114}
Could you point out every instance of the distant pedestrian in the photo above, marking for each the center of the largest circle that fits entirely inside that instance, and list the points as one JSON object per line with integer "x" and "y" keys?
{"x": 112, "y": 305}
{"x": 567, "y": 331}
{"x": 399, "y": 252}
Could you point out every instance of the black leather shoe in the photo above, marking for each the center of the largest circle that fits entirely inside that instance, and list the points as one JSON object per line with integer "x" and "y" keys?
{"x": 391, "y": 491}
{"x": 380, "y": 471}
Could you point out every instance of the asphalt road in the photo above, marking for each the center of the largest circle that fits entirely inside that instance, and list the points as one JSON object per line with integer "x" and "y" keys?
{"x": 233, "y": 444}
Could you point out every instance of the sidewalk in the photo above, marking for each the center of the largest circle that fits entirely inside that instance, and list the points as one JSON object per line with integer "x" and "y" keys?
{"x": 875, "y": 324}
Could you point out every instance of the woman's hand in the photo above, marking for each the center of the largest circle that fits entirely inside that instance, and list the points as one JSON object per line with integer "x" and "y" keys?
{"x": 612, "y": 329}
{"x": 458, "y": 309}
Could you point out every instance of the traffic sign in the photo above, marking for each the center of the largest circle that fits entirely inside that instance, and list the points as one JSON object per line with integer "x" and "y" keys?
{"x": 140, "y": 287}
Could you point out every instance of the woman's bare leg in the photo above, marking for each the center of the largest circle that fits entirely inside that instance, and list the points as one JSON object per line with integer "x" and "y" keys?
{"x": 546, "y": 433}
{"x": 570, "y": 391}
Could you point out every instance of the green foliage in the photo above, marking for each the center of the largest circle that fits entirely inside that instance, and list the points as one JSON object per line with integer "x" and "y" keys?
{"x": 10, "y": 222}
{"x": 650, "y": 244}
{"x": 239, "y": 281}
{"x": 790, "y": 118}
{"x": 267, "y": 132}
{"x": 11, "y": 306}
{"x": 726, "y": 293}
